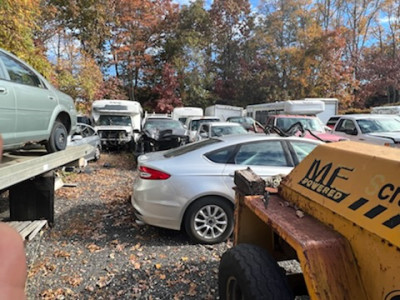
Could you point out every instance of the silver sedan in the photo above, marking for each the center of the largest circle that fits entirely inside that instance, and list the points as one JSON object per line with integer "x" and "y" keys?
{"x": 191, "y": 187}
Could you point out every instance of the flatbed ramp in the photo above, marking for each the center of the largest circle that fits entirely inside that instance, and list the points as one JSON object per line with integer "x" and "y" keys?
{"x": 30, "y": 179}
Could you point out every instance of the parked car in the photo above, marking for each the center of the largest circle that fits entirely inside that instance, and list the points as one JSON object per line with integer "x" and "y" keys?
{"x": 215, "y": 129}
{"x": 31, "y": 109}
{"x": 332, "y": 121}
{"x": 161, "y": 134}
{"x": 191, "y": 187}
{"x": 193, "y": 124}
{"x": 370, "y": 128}
{"x": 314, "y": 127}
{"x": 86, "y": 134}
{"x": 248, "y": 123}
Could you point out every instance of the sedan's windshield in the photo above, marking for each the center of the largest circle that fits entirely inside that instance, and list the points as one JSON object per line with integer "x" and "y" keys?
{"x": 226, "y": 130}
{"x": 114, "y": 120}
{"x": 308, "y": 123}
{"x": 379, "y": 125}
{"x": 196, "y": 123}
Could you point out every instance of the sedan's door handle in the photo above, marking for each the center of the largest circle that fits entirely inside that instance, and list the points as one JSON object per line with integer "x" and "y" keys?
{"x": 3, "y": 90}
{"x": 52, "y": 98}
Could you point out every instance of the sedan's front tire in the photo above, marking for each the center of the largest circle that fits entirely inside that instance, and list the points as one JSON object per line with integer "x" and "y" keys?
{"x": 209, "y": 220}
{"x": 58, "y": 138}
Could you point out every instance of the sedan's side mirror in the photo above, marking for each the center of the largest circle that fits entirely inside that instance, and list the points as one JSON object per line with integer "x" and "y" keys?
{"x": 76, "y": 138}
{"x": 204, "y": 135}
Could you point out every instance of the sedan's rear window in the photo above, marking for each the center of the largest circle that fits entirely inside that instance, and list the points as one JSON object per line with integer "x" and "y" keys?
{"x": 190, "y": 147}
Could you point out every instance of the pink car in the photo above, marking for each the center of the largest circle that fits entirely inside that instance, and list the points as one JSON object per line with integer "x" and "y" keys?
{"x": 310, "y": 123}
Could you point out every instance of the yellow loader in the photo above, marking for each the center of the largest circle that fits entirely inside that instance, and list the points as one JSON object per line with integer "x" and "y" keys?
{"x": 337, "y": 215}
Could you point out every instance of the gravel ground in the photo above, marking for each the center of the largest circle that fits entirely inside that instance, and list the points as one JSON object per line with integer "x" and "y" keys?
{"x": 95, "y": 250}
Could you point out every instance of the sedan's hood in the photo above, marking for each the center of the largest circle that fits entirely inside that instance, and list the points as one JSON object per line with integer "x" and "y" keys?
{"x": 158, "y": 135}
{"x": 393, "y": 135}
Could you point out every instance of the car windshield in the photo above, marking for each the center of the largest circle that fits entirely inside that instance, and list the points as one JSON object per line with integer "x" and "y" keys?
{"x": 379, "y": 125}
{"x": 242, "y": 120}
{"x": 312, "y": 124}
{"x": 162, "y": 124}
{"x": 196, "y": 123}
{"x": 226, "y": 130}
{"x": 114, "y": 120}
{"x": 190, "y": 147}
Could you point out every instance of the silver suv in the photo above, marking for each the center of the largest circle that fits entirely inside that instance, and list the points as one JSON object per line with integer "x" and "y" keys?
{"x": 31, "y": 109}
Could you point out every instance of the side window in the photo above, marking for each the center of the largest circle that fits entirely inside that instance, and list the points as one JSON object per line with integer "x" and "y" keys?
{"x": 19, "y": 73}
{"x": 265, "y": 153}
{"x": 302, "y": 149}
{"x": 221, "y": 156}
{"x": 346, "y": 125}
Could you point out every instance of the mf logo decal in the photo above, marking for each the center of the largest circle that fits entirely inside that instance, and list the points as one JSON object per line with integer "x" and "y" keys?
{"x": 322, "y": 179}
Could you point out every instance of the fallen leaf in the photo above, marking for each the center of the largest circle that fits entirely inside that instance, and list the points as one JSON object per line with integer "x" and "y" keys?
{"x": 93, "y": 248}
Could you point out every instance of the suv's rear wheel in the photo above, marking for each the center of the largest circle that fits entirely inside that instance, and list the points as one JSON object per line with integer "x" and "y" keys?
{"x": 209, "y": 220}
{"x": 58, "y": 138}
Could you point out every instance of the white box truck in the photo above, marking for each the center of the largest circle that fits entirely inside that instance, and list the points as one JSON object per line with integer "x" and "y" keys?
{"x": 117, "y": 122}
{"x": 182, "y": 113}
{"x": 224, "y": 111}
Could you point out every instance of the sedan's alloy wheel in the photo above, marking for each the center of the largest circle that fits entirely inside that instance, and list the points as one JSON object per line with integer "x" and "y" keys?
{"x": 210, "y": 222}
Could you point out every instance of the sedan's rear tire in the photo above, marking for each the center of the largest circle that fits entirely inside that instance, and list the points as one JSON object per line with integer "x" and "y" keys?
{"x": 97, "y": 154}
{"x": 58, "y": 138}
{"x": 209, "y": 220}
{"x": 249, "y": 272}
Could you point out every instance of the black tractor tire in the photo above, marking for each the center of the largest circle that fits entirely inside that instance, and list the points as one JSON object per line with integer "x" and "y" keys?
{"x": 58, "y": 138}
{"x": 248, "y": 272}
{"x": 214, "y": 215}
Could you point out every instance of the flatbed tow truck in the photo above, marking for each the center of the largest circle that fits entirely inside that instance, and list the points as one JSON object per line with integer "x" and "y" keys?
{"x": 337, "y": 214}
{"x": 29, "y": 176}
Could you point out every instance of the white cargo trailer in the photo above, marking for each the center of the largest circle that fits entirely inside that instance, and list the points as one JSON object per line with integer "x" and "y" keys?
{"x": 224, "y": 111}
{"x": 331, "y": 108}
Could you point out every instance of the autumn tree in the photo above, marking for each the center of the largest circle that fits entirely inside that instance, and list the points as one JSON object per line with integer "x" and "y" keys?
{"x": 167, "y": 91}
{"x": 18, "y": 22}
{"x": 88, "y": 21}
{"x": 139, "y": 37}
{"x": 112, "y": 88}
{"x": 231, "y": 25}
{"x": 189, "y": 51}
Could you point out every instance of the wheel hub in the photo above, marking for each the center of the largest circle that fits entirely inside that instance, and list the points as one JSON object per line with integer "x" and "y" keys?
{"x": 211, "y": 221}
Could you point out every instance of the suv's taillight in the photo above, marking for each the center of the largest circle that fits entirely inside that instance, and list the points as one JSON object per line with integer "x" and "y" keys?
{"x": 151, "y": 174}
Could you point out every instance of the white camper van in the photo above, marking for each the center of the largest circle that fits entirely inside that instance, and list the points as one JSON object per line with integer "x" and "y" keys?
{"x": 182, "y": 113}
{"x": 260, "y": 112}
{"x": 118, "y": 122}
